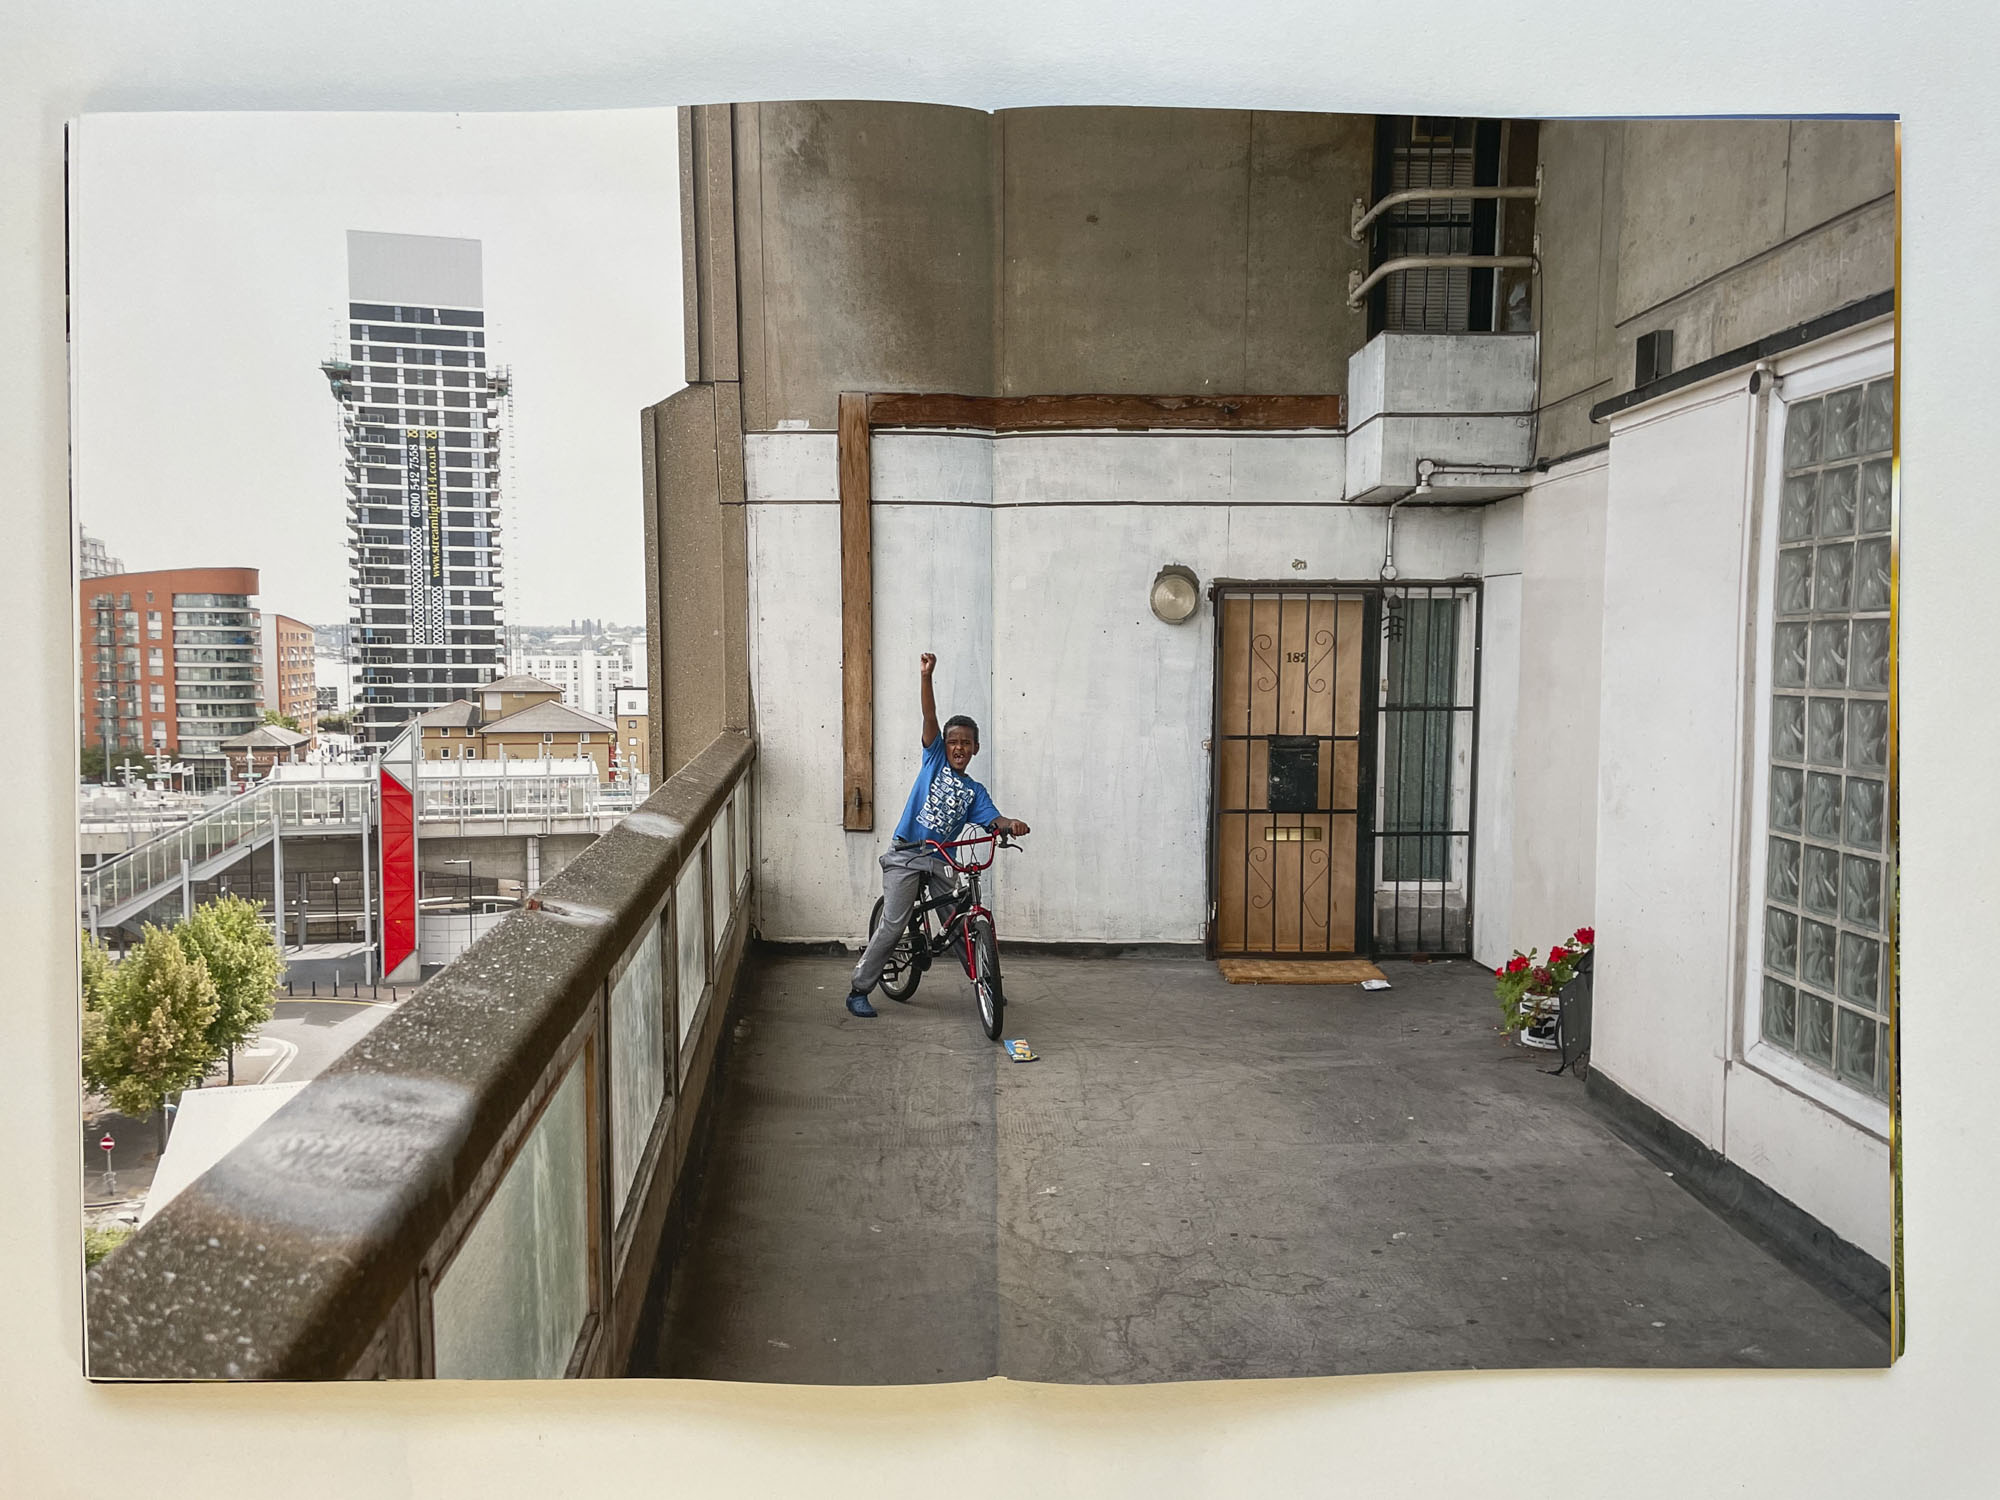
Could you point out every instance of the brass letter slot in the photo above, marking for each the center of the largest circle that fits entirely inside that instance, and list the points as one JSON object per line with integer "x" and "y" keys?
{"x": 1291, "y": 835}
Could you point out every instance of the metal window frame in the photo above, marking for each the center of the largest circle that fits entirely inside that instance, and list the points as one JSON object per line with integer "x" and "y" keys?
{"x": 1485, "y": 150}
{"x": 1813, "y": 375}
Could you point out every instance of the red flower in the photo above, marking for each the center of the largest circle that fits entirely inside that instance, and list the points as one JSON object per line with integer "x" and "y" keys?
{"x": 1517, "y": 965}
{"x": 1496, "y": 974}
{"x": 1542, "y": 978}
{"x": 1558, "y": 953}
{"x": 1585, "y": 936}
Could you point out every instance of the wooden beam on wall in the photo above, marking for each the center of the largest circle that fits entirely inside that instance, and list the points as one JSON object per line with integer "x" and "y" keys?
{"x": 857, "y": 617}
{"x": 1124, "y": 413}
{"x": 860, "y": 413}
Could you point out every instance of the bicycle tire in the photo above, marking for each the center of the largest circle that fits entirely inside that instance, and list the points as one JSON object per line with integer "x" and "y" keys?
{"x": 986, "y": 990}
{"x": 902, "y": 973}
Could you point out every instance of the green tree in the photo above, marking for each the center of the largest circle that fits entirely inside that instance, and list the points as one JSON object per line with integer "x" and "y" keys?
{"x": 153, "y": 1037}
{"x": 100, "y": 976}
{"x": 100, "y": 1240}
{"x": 283, "y": 721}
{"x": 231, "y": 939}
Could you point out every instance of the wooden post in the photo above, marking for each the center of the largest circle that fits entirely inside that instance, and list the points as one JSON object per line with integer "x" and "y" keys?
{"x": 857, "y": 619}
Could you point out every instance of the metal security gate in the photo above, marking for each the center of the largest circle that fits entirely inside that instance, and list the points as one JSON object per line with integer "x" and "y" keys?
{"x": 1291, "y": 769}
{"x": 1343, "y": 755}
{"x": 1427, "y": 706}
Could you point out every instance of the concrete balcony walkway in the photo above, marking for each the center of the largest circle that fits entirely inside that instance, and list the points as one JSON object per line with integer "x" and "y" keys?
{"x": 1197, "y": 1180}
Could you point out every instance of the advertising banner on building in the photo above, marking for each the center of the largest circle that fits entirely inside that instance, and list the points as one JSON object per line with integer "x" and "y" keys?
{"x": 399, "y": 870}
{"x": 424, "y": 521}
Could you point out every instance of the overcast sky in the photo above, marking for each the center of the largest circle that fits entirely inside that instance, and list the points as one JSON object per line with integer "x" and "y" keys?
{"x": 209, "y": 279}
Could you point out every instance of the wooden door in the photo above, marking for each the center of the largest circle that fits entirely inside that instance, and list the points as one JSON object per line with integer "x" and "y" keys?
{"x": 1290, "y": 772}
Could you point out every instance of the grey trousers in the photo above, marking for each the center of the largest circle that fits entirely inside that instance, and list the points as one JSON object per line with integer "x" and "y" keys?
{"x": 904, "y": 874}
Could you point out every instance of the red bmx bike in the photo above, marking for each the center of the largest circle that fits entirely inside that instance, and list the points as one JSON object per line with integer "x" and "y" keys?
{"x": 960, "y": 922}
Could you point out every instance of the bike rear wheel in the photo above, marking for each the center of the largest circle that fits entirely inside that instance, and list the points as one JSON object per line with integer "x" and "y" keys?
{"x": 903, "y": 972}
{"x": 986, "y": 978}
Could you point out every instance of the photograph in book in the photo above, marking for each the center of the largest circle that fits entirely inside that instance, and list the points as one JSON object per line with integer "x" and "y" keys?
{"x": 1245, "y": 744}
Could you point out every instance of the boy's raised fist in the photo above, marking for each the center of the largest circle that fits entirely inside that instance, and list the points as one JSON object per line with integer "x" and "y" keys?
{"x": 927, "y": 662}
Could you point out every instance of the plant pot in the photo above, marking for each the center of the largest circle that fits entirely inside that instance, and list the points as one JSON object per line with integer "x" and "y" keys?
{"x": 1544, "y": 1017}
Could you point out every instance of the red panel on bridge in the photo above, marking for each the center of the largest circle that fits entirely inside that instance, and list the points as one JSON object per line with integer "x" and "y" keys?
{"x": 399, "y": 873}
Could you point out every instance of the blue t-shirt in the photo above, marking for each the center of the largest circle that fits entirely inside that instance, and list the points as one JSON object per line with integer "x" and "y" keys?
{"x": 942, "y": 802}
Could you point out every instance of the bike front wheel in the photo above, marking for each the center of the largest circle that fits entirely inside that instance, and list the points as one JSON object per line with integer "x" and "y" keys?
{"x": 902, "y": 973}
{"x": 986, "y": 978}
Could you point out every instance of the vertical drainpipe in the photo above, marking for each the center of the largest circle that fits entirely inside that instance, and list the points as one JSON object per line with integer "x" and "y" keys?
{"x": 1763, "y": 384}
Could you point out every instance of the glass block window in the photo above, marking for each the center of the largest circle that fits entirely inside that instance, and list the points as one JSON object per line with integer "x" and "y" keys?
{"x": 1829, "y": 861}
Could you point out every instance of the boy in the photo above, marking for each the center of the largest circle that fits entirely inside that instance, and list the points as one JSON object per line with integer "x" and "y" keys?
{"x": 943, "y": 801}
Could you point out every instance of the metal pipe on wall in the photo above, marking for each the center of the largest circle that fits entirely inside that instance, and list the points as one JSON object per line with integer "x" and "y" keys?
{"x": 1363, "y": 215}
{"x": 1358, "y": 285}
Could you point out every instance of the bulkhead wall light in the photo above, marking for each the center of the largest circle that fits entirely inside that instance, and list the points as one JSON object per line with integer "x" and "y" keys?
{"x": 1176, "y": 594}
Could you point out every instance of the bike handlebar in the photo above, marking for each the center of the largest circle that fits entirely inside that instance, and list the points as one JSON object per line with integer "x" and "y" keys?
{"x": 998, "y": 840}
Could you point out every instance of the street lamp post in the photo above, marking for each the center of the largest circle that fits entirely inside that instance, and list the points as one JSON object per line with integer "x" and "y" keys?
{"x": 337, "y": 925}
{"x": 467, "y": 862}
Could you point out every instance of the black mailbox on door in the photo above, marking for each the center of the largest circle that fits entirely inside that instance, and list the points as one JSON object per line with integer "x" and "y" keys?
{"x": 1294, "y": 773}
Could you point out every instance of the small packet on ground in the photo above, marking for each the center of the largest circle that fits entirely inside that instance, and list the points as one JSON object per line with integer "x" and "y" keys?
{"x": 1375, "y": 984}
{"x": 1017, "y": 1051}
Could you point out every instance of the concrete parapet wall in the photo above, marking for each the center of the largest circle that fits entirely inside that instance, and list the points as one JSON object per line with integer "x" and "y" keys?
{"x": 343, "y": 1214}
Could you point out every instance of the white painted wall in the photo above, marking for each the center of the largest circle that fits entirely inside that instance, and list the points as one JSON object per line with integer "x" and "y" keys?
{"x": 1554, "y": 833}
{"x": 1669, "y": 737}
{"x": 1676, "y": 662}
{"x": 1025, "y": 562}
{"x": 1499, "y": 716}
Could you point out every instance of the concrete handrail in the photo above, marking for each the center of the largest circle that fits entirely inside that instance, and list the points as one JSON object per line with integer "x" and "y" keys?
{"x": 311, "y": 1250}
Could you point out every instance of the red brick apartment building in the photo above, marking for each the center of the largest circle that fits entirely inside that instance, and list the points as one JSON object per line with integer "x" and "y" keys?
{"x": 170, "y": 660}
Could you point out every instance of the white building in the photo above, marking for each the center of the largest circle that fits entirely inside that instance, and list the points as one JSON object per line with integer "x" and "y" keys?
{"x": 421, "y": 417}
{"x": 334, "y": 680}
{"x": 92, "y": 558}
{"x": 589, "y": 679}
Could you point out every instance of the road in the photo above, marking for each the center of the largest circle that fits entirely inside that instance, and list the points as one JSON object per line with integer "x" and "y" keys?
{"x": 321, "y": 1030}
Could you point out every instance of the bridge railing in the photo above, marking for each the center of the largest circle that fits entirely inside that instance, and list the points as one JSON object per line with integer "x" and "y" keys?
{"x": 478, "y": 1187}
{"x": 294, "y": 807}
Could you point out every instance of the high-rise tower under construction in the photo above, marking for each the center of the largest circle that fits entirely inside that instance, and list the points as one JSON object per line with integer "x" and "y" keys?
{"x": 422, "y": 414}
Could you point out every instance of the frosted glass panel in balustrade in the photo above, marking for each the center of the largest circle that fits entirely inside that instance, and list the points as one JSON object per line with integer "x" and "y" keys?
{"x": 638, "y": 1056}
{"x": 720, "y": 859}
{"x": 739, "y": 813}
{"x": 689, "y": 942}
{"x": 512, "y": 1302}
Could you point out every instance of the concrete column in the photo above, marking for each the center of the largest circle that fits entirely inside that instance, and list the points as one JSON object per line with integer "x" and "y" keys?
{"x": 367, "y": 884}
{"x": 534, "y": 871}
{"x": 278, "y": 887}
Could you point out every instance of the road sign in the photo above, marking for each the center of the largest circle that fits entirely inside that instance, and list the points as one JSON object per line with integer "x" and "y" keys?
{"x": 107, "y": 1143}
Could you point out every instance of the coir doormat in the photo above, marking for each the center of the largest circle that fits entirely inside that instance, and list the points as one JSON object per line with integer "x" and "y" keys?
{"x": 1297, "y": 970}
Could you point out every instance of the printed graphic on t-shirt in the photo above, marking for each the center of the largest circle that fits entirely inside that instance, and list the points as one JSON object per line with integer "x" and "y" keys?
{"x": 945, "y": 808}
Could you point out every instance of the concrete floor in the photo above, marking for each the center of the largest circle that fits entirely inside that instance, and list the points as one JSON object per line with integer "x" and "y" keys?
{"x": 1196, "y": 1180}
